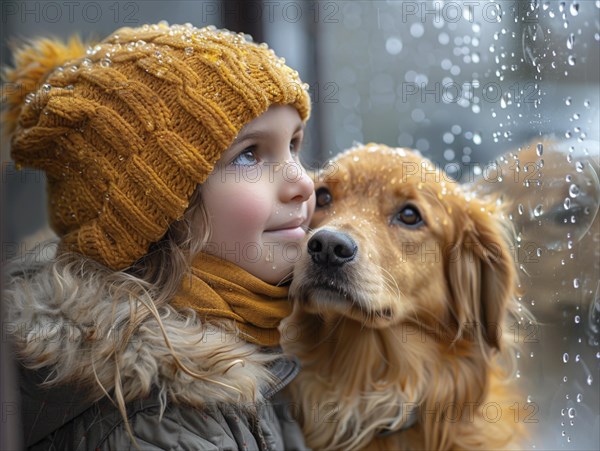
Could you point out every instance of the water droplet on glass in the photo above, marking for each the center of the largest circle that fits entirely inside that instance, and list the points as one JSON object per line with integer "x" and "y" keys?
{"x": 571, "y": 60}
{"x": 579, "y": 166}
{"x": 589, "y": 379}
{"x": 568, "y": 101}
{"x": 576, "y": 282}
{"x": 577, "y": 319}
{"x": 567, "y": 203}
{"x": 520, "y": 209}
{"x": 565, "y": 357}
{"x": 571, "y": 412}
{"x": 570, "y": 41}
{"x": 574, "y": 190}
{"x": 540, "y": 149}
{"x": 574, "y": 9}
{"x": 538, "y": 210}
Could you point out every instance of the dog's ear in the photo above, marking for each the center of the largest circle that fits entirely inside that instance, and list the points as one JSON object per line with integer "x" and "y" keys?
{"x": 481, "y": 275}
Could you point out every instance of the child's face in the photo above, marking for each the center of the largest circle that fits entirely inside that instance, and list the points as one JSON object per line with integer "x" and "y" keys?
{"x": 259, "y": 199}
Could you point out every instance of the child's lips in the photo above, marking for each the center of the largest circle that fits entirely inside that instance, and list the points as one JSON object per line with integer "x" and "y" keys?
{"x": 291, "y": 229}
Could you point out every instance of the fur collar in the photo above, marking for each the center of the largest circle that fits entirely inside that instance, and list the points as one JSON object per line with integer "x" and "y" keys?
{"x": 69, "y": 328}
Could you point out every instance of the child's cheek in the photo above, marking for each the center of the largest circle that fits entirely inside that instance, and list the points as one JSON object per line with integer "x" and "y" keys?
{"x": 247, "y": 207}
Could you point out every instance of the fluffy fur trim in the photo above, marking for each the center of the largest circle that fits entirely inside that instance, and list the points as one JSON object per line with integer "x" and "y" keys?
{"x": 73, "y": 327}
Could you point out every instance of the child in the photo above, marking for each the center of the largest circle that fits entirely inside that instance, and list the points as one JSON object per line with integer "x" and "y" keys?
{"x": 171, "y": 156}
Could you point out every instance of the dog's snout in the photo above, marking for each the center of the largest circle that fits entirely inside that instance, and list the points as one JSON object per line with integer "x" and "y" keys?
{"x": 329, "y": 248}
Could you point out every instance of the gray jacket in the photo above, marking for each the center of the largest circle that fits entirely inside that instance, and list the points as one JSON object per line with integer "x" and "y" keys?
{"x": 66, "y": 333}
{"x": 56, "y": 419}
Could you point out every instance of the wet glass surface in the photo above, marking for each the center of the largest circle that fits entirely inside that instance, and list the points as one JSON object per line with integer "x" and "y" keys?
{"x": 504, "y": 96}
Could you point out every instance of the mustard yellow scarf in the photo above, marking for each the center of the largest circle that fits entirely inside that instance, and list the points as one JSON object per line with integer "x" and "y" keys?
{"x": 218, "y": 289}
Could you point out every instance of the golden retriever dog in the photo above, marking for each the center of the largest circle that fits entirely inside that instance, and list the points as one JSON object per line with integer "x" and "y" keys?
{"x": 403, "y": 301}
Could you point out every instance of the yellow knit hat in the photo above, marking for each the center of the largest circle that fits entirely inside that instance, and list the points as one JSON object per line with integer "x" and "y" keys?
{"x": 127, "y": 130}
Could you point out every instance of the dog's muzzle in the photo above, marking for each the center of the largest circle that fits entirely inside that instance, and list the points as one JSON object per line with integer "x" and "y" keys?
{"x": 328, "y": 248}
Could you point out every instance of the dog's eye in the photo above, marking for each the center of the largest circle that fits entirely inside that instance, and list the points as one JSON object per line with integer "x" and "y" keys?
{"x": 409, "y": 216}
{"x": 323, "y": 196}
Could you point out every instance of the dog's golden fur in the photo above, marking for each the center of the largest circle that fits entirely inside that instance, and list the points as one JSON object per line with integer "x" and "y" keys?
{"x": 410, "y": 336}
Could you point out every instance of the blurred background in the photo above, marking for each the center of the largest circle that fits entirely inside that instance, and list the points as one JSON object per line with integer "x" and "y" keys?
{"x": 504, "y": 95}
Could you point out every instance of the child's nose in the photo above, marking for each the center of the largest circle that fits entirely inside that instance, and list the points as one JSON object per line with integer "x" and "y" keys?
{"x": 297, "y": 185}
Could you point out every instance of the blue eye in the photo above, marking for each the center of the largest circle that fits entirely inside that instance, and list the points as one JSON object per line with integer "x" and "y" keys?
{"x": 246, "y": 158}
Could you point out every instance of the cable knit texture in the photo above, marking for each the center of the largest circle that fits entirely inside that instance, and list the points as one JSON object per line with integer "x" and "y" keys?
{"x": 127, "y": 131}
{"x": 220, "y": 289}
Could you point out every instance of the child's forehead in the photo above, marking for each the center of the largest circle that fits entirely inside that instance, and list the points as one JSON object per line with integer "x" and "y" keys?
{"x": 276, "y": 118}
{"x": 276, "y": 112}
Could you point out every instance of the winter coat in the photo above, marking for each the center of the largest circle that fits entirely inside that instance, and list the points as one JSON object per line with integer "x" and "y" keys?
{"x": 67, "y": 341}
{"x": 57, "y": 419}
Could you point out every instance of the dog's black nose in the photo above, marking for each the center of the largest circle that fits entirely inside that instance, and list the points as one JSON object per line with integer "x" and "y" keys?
{"x": 329, "y": 248}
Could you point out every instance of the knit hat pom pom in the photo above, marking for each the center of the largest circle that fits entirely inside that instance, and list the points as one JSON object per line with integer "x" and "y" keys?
{"x": 34, "y": 60}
